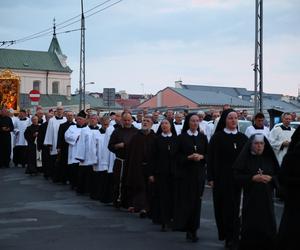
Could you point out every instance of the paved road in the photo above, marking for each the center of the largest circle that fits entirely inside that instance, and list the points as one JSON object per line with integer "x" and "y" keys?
{"x": 36, "y": 214}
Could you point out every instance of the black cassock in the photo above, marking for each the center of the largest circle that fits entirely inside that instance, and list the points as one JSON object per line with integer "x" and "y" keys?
{"x": 258, "y": 227}
{"x": 31, "y": 148}
{"x": 163, "y": 172}
{"x": 5, "y": 140}
{"x": 222, "y": 152}
{"x": 189, "y": 183}
{"x": 45, "y": 149}
{"x": 62, "y": 165}
{"x": 289, "y": 177}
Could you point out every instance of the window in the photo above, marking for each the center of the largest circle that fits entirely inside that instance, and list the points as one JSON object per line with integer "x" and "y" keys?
{"x": 36, "y": 85}
{"x": 55, "y": 87}
{"x": 68, "y": 90}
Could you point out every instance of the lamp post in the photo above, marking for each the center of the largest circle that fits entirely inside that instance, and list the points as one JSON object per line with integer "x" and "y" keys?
{"x": 82, "y": 62}
{"x": 83, "y": 96}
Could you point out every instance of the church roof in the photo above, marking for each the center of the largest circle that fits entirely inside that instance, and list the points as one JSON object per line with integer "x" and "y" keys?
{"x": 34, "y": 60}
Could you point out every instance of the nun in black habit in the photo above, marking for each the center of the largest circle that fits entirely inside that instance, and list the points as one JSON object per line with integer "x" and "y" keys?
{"x": 163, "y": 173}
{"x": 190, "y": 177}
{"x": 289, "y": 178}
{"x": 224, "y": 148}
{"x": 256, "y": 169}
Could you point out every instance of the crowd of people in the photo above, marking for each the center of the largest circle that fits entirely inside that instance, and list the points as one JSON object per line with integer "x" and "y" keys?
{"x": 158, "y": 168}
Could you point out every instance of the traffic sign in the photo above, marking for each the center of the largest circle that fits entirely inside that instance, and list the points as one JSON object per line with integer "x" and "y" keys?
{"x": 34, "y": 95}
{"x": 109, "y": 96}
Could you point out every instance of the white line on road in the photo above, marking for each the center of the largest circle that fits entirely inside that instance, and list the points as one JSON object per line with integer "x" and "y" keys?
{"x": 7, "y": 221}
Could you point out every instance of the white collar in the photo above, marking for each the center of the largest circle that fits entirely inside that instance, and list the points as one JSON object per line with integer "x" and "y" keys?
{"x": 166, "y": 135}
{"x": 227, "y": 131}
{"x": 189, "y": 132}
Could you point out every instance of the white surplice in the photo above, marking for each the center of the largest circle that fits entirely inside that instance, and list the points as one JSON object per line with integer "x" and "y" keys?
{"x": 251, "y": 130}
{"x": 276, "y": 138}
{"x": 72, "y": 137}
{"x": 178, "y": 128}
{"x": 86, "y": 147}
{"x": 155, "y": 127}
{"x": 19, "y": 129}
{"x": 100, "y": 166}
{"x": 108, "y": 157}
{"x": 52, "y": 133}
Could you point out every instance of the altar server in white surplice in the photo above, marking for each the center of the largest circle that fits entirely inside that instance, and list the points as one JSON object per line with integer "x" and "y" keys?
{"x": 280, "y": 137}
{"x": 72, "y": 136}
{"x": 20, "y": 125}
{"x": 155, "y": 119}
{"x": 87, "y": 154}
{"x": 178, "y": 123}
{"x": 258, "y": 127}
{"x": 108, "y": 156}
{"x": 51, "y": 139}
{"x": 138, "y": 122}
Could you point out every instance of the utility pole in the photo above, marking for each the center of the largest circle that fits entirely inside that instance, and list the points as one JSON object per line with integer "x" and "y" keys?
{"x": 258, "y": 63}
{"x": 82, "y": 62}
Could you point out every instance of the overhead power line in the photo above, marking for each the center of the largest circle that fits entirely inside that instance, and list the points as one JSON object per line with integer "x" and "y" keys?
{"x": 47, "y": 32}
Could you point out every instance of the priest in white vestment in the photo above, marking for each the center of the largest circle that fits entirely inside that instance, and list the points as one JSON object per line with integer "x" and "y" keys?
{"x": 51, "y": 138}
{"x": 280, "y": 137}
{"x": 20, "y": 125}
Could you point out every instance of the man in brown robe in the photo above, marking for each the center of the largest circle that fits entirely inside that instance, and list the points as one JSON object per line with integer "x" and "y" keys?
{"x": 140, "y": 166}
{"x": 119, "y": 144}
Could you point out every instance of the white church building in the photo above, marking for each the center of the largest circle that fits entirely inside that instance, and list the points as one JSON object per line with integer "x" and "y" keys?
{"x": 46, "y": 71}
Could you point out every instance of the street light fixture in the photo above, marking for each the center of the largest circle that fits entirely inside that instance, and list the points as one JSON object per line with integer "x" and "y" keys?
{"x": 83, "y": 95}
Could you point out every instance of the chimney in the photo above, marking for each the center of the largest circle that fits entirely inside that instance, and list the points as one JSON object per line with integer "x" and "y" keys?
{"x": 178, "y": 84}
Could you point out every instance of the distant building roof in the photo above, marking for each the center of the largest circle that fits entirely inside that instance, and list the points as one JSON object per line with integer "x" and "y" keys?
{"x": 232, "y": 91}
{"x": 128, "y": 103}
{"x": 211, "y": 98}
{"x": 281, "y": 105}
{"x": 52, "y": 100}
{"x": 51, "y": 60}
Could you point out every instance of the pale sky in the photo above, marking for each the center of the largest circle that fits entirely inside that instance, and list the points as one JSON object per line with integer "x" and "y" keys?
{"x": 145, "y": 45}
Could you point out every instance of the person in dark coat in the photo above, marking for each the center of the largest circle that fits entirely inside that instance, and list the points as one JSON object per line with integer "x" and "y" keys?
{"x": 62, "y": 149}
{"x": 119, "y": 144}
{"x": 166, "y": 149}
{"x": 256, "y": 169}
{"x": 224, "y": 148}
{"x": 45, "y": 149}
{"x": 289, "y": 178}
{"x": 140, "y": 164}
{"x": 30, "y": 135}
{"x": 190, "y": 177}
{"x": 6, "y": 126}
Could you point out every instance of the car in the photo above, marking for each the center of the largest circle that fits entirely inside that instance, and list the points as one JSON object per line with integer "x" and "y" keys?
{"x": 294, "y": 125}
{"x": 243, "y": 125}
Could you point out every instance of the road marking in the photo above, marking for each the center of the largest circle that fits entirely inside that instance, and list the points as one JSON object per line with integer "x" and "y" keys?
{"x": 7, "y": 221}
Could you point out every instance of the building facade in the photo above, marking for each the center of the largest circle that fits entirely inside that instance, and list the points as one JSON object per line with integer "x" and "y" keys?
{"x": 46, "y": 71}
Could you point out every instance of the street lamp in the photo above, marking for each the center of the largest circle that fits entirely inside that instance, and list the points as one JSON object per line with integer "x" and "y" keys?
{"x": 83, "y": 95}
